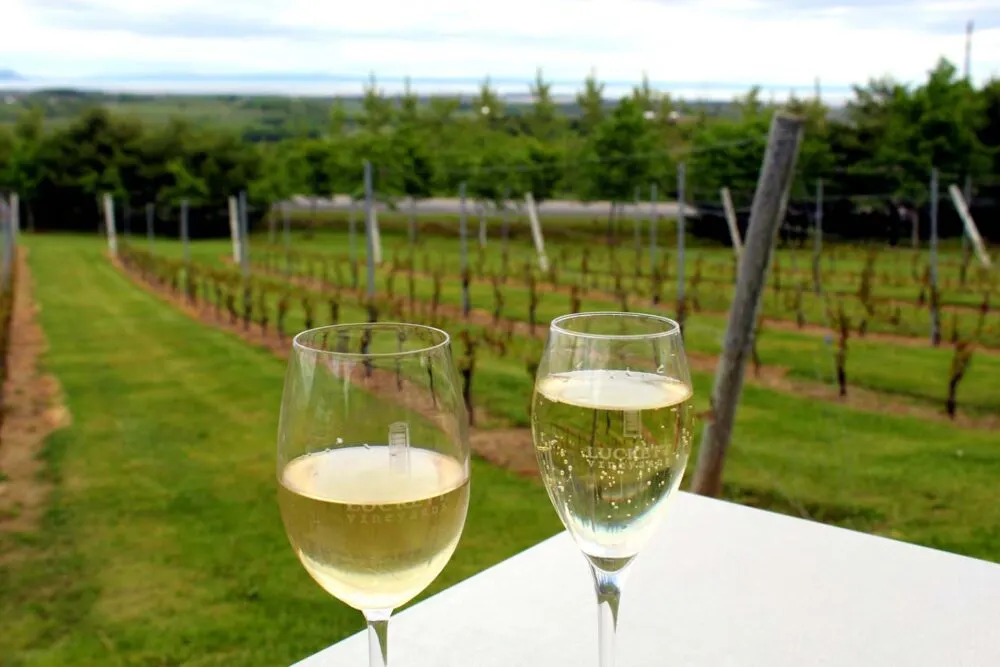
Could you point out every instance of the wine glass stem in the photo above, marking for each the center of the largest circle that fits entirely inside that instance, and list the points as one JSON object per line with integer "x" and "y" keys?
{"x": 378, "y": 628}
{"x": 609, "y": 593}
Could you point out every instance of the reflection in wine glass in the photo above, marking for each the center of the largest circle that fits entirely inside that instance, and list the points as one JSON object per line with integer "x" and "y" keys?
{"x": 611, "y": 421}
{"x": 373, "y": 463}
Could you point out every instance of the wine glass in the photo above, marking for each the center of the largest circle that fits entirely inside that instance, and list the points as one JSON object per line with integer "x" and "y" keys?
{"x": 373, "y": 463}
{"x": 611, "y": 422}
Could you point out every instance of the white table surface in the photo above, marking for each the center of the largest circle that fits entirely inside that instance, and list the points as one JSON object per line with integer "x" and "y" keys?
{"x": 719, "y": 584}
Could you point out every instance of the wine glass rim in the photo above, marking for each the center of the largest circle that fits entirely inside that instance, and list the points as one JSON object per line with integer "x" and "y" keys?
{"x": 299, "y": 344}
{"x": 672, "y": 328}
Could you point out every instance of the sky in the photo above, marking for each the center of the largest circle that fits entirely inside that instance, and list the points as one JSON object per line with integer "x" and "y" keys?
{"x": 691, "y": 47}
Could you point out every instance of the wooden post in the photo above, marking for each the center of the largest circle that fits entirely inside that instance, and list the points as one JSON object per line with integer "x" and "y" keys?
{"x": 967, "y": 196}
{"x": 818, "y": 240}
{"x": 935, "y": 310}
{"x": 352, "y": 225}
{"x": 636, "y": 228}
{"x": 286, "y": 224}
{"x": 971, "y": 237}
{"x": 370, "y": 229}
{"x": 505, "y": 225}
{"x": 681, "y": 176}
{"x": 109, "y": 223}
{"x": 376, "y": 230}
{"x": 482, "y": 224}
{"x": 15, "y": 214}
{"x": 244, "y": 234}
{"x": 234, "y": 228}
{"x": 463, "y": 237}
{"x": 734, "y": 229}
{"x": 536, "y": 231}
{"x": 272, "y": 226}
{"x": 654, "y": 218}
{"x": 185, "y": 237}
{"x": 413, "y": 221}
{"x": 150, "y": 234}
{"x": 765, "y": 218}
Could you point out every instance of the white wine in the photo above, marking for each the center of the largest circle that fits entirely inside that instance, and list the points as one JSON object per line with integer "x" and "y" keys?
{"x": 611, "y": 446}
{"x": 373, "y": 533}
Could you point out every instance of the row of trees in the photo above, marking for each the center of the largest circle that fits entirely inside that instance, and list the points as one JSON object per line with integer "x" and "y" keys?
{"x": 886, "y": 143}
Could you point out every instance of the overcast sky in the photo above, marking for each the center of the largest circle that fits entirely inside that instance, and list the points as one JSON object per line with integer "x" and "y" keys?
{"x": 726, "y": 42}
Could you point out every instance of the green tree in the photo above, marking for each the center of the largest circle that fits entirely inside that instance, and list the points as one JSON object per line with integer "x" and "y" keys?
{"x": 543, "y": 120}
{"x": 591, "y": 103}
{"x": 488, "y": 106}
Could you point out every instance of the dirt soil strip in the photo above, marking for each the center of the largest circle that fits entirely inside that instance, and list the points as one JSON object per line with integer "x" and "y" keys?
{"x": 33, "y": 409}
{"x": 770, "y": 376}
{"x": 510, "y": 448}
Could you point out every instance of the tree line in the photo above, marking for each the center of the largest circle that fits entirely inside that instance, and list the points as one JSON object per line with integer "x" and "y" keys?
{"x": 883, "y": 144}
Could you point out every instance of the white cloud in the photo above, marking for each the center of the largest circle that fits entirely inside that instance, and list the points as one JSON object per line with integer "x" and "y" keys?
{"x": 685, "y": 42}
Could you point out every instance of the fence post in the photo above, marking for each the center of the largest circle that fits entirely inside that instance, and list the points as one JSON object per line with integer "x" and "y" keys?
{"x": 818, "y": 240}
{"x": 505, "y": 225}
{"x": 654, "y": 218}
{"x": 370, "y": 232}
{"x": 244, "y": 234}
{"x": 413, "y": 221}
{"x": 967, "y": 195}
{"x": 681, "y": 177}
{"x": 286, "y": 227}
{"x": 935, "y": 310}
{"x": 185, "y": 238}
{"x": 150, "y": 234}
{"x": 536, "y": 231}
{"x": 972, "y": 235}
{"x": 773, "y": 185}
{"x": 15, "y": 214}
{"x": 463, "y": 236}
{"x": 730, "y": 212}
{"x": 636, "y": 228}
{"x": 376, "y": 230}
{"x": 234, "y": 227}
{"x": 109, "y": 223}
{"x": 482, "y": 224}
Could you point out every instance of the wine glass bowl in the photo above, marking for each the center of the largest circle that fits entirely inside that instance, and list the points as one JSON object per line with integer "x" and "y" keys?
{"x": 373, "y": 463}
{"x": 611, "y": 423}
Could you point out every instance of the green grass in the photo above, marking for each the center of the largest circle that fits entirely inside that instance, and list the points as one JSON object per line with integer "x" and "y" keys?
{"x": 163, "y": 543}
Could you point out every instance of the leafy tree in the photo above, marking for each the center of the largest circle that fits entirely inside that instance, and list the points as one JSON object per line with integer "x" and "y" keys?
{"x": 622, "y": 150}
{"x": 488, "y": 106}
{"x": 544, "y": 170}
{"x": 543, "y": 120}
{"x": 591, "y": 103}
{"x": 376, "y": 111}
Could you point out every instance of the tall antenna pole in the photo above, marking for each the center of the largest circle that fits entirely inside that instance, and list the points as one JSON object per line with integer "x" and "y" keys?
{"x": 968, "y": 50}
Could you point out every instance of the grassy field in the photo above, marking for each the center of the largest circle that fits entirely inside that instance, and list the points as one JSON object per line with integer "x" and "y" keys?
{"x": 162, "y": 544}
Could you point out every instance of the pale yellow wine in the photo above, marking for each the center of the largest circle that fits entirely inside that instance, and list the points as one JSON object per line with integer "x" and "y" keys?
{"x": 611, "y": 446}
{"x": 374, "y": 532}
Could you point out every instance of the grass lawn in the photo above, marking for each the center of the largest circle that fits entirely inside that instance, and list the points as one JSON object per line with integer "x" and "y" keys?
{"x": 163, "y": 544}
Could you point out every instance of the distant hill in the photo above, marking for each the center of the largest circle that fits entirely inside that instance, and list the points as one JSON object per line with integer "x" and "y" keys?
{"x": 10, "y": 75}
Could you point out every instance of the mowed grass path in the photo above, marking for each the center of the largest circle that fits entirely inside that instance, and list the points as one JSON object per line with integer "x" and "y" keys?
{"x": 163, "y": 544}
